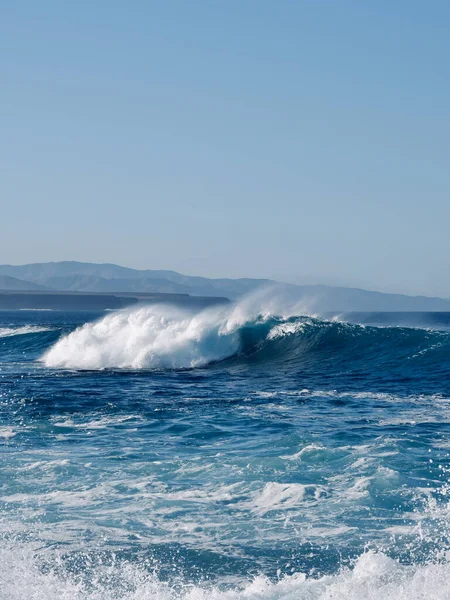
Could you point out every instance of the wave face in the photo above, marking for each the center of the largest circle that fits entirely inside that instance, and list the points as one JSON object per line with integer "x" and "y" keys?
{"x": 253, "y": 452}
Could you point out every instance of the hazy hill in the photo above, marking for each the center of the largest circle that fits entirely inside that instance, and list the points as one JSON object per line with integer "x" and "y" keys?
{"x": 14, "y": 284}
{"x": 339, "y": 299}
{"x": 91, "y": 277}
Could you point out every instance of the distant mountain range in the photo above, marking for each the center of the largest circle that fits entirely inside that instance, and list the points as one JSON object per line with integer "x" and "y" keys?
{"x": 91, "y": 277}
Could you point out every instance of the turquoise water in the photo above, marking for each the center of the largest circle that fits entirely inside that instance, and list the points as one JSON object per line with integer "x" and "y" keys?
{"x": 233, "y": 453}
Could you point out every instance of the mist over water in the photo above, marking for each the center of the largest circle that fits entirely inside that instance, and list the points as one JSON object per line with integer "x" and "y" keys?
{"x": 250, "y": 451}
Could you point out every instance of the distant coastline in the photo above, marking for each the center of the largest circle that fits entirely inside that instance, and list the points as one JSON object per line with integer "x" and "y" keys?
{"x": 98, "y": 286}
{"x": 79, "y": 301}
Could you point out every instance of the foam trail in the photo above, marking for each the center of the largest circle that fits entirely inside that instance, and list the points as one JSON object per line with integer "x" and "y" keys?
{"x": 25, "y": 330}
{"x": 374, "y": 577}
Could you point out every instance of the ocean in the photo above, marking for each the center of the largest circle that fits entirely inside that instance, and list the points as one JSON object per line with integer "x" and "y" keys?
{"x": 241, "y": 452}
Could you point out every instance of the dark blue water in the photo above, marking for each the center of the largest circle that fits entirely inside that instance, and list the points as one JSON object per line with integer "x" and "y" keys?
{"x": 159, "y": 454}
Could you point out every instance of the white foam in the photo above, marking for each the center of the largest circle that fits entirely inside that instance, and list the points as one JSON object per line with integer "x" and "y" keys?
{"x": 24, "y": 330}
{"x": 283, "y": 496}
{"x": 68, "y": 498}
{"x": 285, "y": 329}
{"x": 149, "y": 337}
{"x": 98, "y": 423}
{"x": 7, "y": 432}
{"x": 374, "y": 577}
{"x": 306, "y": 451}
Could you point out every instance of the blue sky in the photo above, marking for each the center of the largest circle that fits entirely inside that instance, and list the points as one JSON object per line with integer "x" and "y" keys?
{"x": 307, "y": 141}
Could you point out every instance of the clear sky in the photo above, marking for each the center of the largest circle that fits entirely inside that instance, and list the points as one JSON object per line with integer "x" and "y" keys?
{"x": 302, "y": 140}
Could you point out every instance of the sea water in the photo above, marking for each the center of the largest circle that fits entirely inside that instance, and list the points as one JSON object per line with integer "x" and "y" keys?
{"x": 239, "y": 452}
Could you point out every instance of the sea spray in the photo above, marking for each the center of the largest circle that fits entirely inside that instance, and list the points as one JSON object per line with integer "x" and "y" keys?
{"x": 148, "y": 337}
{"x": 165, "y": 336}
{"x": 374, "y": 576}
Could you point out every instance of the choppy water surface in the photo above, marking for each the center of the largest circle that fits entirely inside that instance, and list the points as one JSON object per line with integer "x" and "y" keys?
{"x": 227, "y": 454}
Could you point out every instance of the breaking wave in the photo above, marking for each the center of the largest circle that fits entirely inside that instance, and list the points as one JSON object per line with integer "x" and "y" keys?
{"x": 162, "y": 337}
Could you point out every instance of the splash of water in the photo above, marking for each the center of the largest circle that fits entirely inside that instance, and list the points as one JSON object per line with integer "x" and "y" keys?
{"x": 374, "y": 576}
